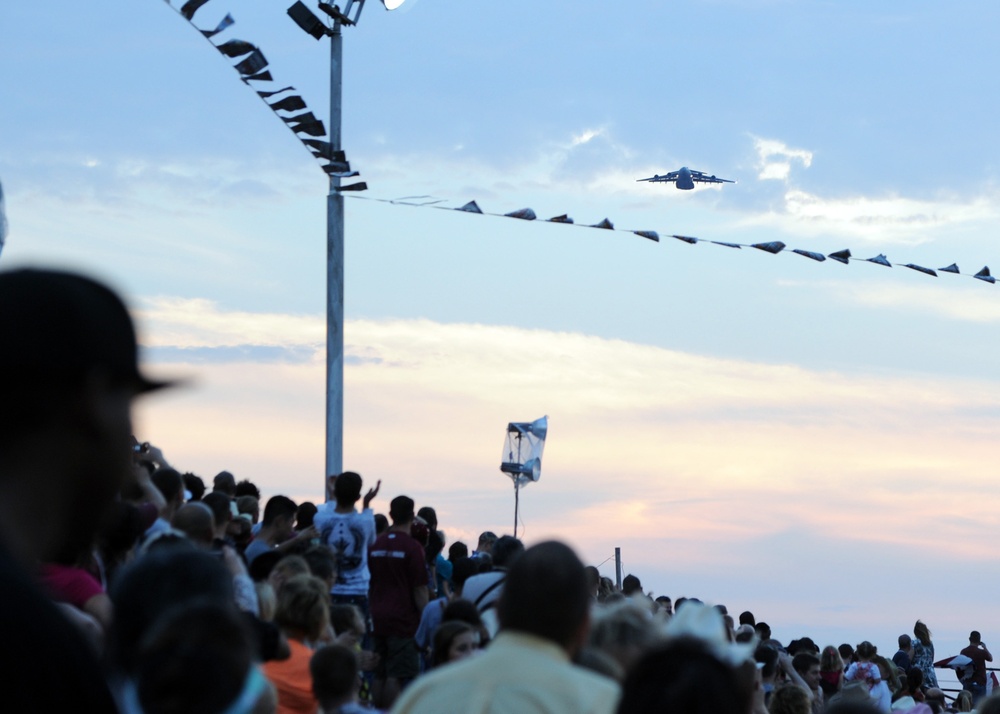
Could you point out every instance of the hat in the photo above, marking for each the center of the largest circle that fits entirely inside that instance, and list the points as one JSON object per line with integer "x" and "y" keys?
{"x": 60, "y": 326}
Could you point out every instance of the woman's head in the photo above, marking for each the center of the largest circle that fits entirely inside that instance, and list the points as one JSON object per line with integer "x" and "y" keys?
{"x": 453, "y": 641}
{"x": 921, "y": 632}
{"x": 302, "y": 610}
{"x": 830, "y": 660}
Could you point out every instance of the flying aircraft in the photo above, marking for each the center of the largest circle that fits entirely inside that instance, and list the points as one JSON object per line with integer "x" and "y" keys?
{"x": 685, "y": 178}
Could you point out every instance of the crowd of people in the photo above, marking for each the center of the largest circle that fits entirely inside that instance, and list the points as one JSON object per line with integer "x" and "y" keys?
{"x": 130, "y": 585}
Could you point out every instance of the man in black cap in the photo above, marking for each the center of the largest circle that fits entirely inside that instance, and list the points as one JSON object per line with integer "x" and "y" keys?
{"x": 68, "y": 374}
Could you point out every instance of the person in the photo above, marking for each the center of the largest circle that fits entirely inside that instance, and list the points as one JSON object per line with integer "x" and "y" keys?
{"x": 454, "y": 641}
{"x": 277, "y": 531}
{"x": 398, "y": 596}
{"x": 631, "y": 585}
{"x": 923, "y": 654}
{"x": 484, "y": 547}
{"x": 544, "y": 614}
{"x": 831, "y": 671}
{"x": 68, "y": 375}
{"x": 350, "y": 534}
{"x": 865, "y": 670}
{"x": 303, "y": 616}
{"x": 334, "y": 670}
{"x": 808, "y": 667}
{"x": 170, "y": 672}
{"x": 904, "y": 654}
{"x": 431, "y": 617}
{"x": 975, "y": 681}
{"x": 225, "y": 483}
{"x": 484, "y": 590}
{"x": 686, "y": 675}
{"x": 790, "y": 699}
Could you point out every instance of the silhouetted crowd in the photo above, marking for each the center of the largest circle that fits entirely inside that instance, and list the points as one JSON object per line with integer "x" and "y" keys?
{"x": 127, "y": 585}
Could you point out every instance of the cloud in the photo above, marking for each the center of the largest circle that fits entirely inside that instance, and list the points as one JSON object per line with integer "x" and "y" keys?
{"x": 968, "y": 304}
{"x": 706, "y": 471}
{"x": 774, "y": 159}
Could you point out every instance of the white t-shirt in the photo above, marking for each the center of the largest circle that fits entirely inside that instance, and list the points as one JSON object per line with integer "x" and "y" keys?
{"x": 350, "y": 535}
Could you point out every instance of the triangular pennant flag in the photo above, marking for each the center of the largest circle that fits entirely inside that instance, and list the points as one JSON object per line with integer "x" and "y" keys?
{"x": 312, "y": 128}
{"x": 308, "y": 116}
{"x": 818, "y": 257}
{"x": 525, "y": 214}
{"x": 727, "y": 245}
{"x": 189, "y": 8}
{"x": 289, "y": 104}
{"x": 921, "y": 269}
{"x": 360, "y": 186}
{"x": 841, "y": 256}
{"x": 252, "y": 64}
{"x": 686, "y": 239}
{"x": 880, "y": 259}
{"x": 470, "y": 207}
{"x": 606, "y": 224}
{"x": 227, "y": 21}
{"x": 236, "y": 48}
{"x": 773, "y": 247}
{"x": 652, "y": 235}
{"x": 984, "y": 275}
{"x": 561, "y": 219}
{"x": 265, "y": 95}
{"x": 261, "y": 77}
{"x": 321, "y": 148}
{"x": 953, "y": 268}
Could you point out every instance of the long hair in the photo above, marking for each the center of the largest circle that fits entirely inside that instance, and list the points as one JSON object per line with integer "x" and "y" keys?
{"x": 830, "y": 660}
{"x": 921, "y": 632}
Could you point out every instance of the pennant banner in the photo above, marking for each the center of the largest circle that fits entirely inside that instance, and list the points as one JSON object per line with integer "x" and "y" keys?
{"x": 252, "y": 67}
{"x": 772, "y": 247}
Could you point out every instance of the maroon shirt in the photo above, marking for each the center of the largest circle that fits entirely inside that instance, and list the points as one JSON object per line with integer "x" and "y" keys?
{"x": 396, "y": 563}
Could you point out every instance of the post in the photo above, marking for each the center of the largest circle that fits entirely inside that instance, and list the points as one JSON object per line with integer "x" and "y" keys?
{"x": 618, "y": 567}
{"x": 335, "y": 280}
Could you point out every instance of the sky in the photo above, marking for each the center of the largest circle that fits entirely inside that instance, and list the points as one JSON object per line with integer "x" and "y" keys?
{"x": 812, "y": 441}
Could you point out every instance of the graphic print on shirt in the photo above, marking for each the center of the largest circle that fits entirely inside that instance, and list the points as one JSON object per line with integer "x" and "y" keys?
{"x": 348, "y": 542}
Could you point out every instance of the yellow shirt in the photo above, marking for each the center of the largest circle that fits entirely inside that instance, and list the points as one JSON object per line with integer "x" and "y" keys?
{"x": 517, "y": 674}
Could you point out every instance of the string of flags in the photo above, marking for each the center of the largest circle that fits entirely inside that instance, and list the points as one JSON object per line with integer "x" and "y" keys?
{"x": 772, "y": 247}
{"x": 252, "y": 67}
{"x": 288, "y": 106}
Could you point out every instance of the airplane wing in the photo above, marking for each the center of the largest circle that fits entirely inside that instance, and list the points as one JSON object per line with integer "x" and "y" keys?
{"x": 700, "y": 176}
{"x": 665, "y": 178}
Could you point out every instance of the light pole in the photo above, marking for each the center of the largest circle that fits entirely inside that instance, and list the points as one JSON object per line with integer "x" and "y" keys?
{"x": 349, "y": 15}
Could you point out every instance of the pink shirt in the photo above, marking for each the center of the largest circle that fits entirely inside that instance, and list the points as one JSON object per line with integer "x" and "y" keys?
{"x": 68, "y": 584}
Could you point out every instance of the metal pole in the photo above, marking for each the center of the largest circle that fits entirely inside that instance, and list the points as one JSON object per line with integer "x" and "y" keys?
{"x": 618, "y": 567}
{"x": 517, "y": 492}
{"x": 335, "y": 280}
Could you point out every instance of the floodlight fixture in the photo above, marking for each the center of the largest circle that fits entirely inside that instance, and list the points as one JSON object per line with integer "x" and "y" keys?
{"x": 392, "y": 4}
{"x": 306, "y": 20}
{"x": 522, "y": 455}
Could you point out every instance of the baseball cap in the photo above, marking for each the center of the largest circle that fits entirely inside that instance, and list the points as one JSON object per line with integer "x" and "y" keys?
{"x": 60, "y": 326}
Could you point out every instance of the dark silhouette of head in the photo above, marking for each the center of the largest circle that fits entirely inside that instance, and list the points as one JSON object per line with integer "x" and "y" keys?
{"x": 347, "y": 489}
{"x": 545, "y": 594}
{"x": 684, "y": 676}
{"x": 400, "y": 510}
{"x": 506, "y": 550}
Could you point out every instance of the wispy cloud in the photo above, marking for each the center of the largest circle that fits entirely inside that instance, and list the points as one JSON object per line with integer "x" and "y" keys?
{"x": 968, "y": 303}
{"x": 774, "y": 159}
{"x": 706, "y": 471}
